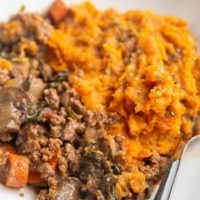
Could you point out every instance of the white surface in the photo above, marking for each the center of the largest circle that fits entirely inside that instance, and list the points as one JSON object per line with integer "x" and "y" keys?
{"x": 12, "y": 194}
{"x": 188, "y": 9}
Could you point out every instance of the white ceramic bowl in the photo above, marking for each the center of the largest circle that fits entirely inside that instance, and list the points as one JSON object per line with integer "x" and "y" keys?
{"x": 187, "y": 9}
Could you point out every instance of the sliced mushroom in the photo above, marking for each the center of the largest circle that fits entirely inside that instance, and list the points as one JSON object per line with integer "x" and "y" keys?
{"x": 36, "y": 88}
{"x": 68, "y": 190}
{"x": 13, "y": 103}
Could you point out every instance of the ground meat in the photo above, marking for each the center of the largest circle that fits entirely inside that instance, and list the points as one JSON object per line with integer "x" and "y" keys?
{"x": 156, "y": 167}
{"x": 57, "y": 118}
{"x": 42, "y": 195}
{"x": 52, "y": 98}
{"x": 46, "y": 170}
{"x": 70, "y": 99}
{"x": 33, "y": 141}
{"x": 71, "y": 128}
{"x": 20, "y": 70}
{"x": 56, "y": 131}
{"x": 63, "y": 165}
{"x": 41, "y": 138}
{"x": 4, "y": 76}
{"x": 73, "y": 158}
{"x": 66, "y": 144}
{"x": 120, "y": 156}
{"x": 31, "y": 131}
{"x": 107, "y": 166}
{"x": 46, "y": 71}
{"x": 57, "y": 121}
{"x": 34, "y": 24}
{"x": 98, "y": 119}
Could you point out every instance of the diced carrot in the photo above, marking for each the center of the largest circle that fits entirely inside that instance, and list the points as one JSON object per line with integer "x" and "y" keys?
{"x": 34, "y": 177}
{"x": 17, "y": 171}
{"x": 6, "y": 149}
{"x": 58, "y": 11}
{"x": 54, "y": 161}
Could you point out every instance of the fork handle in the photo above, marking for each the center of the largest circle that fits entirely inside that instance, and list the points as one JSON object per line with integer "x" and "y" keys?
{"x": 167, "y": 181}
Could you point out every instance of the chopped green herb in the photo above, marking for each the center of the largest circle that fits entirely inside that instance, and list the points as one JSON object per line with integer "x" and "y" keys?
{"x": 116, "y": 168}
{"x": 52, "y": 193}
{"x": 107, "y": 185}
{"x": 62, "y": 76}
{"x": 92, "y": 152}
{"x": 34, "y": 114}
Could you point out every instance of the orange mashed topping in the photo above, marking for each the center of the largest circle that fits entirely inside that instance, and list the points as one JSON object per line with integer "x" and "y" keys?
{"x": 140, "y": 64}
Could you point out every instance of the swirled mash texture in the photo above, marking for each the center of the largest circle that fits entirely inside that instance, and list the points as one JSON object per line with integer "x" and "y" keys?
{"x": 140, "y": 64}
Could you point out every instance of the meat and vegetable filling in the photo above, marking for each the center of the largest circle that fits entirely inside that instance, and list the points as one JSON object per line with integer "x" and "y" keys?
{"x": 94, "y": 104}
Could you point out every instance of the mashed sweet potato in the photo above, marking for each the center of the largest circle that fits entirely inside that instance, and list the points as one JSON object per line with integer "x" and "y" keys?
{"x": 140, "y": 64}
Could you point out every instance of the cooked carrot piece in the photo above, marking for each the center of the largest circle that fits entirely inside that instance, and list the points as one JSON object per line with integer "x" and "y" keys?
{"x": 58, "y": 11}
{"x": 6, "y": 149}
{"x": 54, "y": 161}
{"x": 17, "y": 170}
{"x": 34, "y": 177}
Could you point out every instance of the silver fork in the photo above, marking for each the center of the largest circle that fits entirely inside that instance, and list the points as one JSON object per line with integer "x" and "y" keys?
{"x": 173, "y": 182}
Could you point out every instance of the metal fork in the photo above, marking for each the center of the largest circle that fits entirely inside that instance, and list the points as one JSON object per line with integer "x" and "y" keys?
{"x": 166, "y": 188}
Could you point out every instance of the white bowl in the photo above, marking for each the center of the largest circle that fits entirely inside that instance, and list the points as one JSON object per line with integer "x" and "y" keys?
{"x": 187, "y": 9}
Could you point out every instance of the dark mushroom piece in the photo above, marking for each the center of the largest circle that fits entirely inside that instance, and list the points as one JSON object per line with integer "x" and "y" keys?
{"x": 13, "y": 105}
{"x": 68, "y": 189}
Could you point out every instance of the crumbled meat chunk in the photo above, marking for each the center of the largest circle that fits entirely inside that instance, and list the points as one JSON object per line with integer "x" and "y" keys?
{"x": 35, "y": 24}
{"x": 52, "y": 182}
{"x": 72, "y": 157}
{"x": 31, "y": 131}
{"x": 4, "y": 76}
{"x": 71, "y": 99}
{"x": 37, "y": 146}
{"x": 156, "y": 168}
{"x": 57, "y": 119}
{"x": 46, "y": 71}
{"x": 32, "y": 145}
{"x": 52, "y": 98}
{"x": 42, "y": 195}
{"x": 63, "y": 165}
{"x": 20, "y": 70}
{"x": 93, "y": 133}
{"x": 99, "y": 119}
{"x": 56, "y": 131}
{"x": 46, "y": 170}
{"x": 107, "y": 165}
{"x": 71, "y": 128}
{"x": 120, "y": 156}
